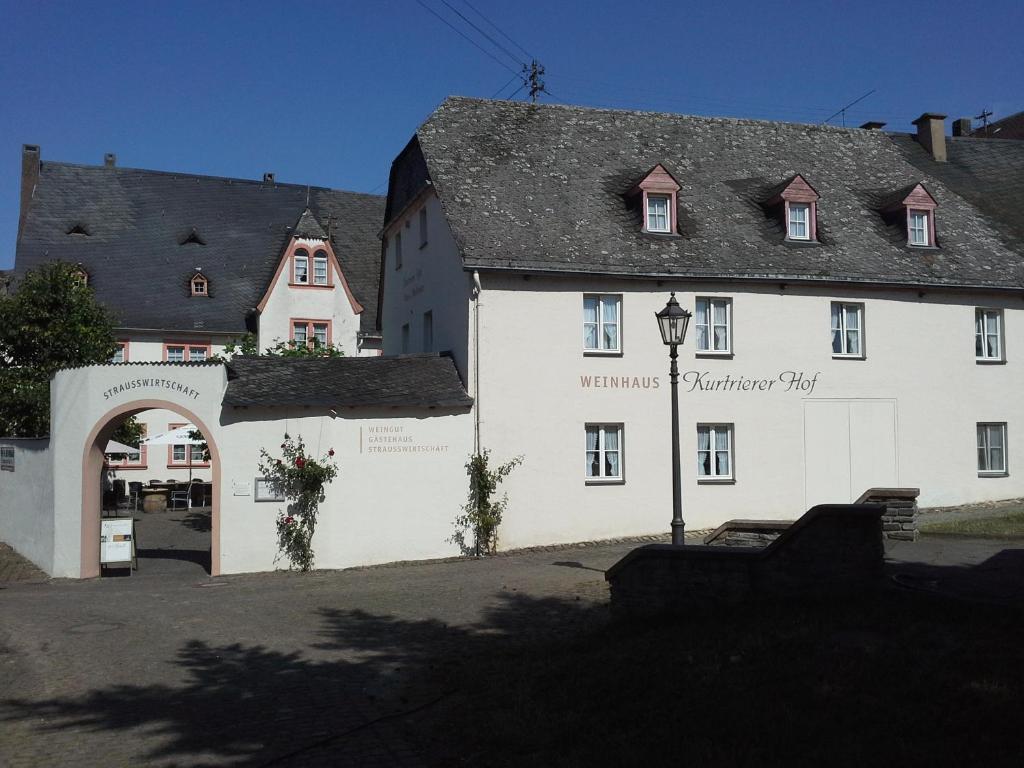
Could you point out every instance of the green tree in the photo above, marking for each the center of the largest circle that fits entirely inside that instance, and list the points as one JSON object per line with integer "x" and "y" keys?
{"x": 247, "y": 346}
{"x": 51, "y": 321}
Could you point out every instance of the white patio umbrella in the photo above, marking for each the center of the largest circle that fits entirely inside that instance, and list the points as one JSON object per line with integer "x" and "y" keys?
{"x": 179, "y": 436}
{"x": 115, "y": 447}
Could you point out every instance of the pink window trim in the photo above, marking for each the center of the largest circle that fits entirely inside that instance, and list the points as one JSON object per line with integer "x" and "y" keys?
{"x": 141, "y": 463}
{"x": 199, "y": 279}
{"x": 172, "y": 464}
{"x": 309, "y": 268}
{"x": 309, "y": 328}
{"x": 189, "y": 346}
{"x": 930, "y": 213}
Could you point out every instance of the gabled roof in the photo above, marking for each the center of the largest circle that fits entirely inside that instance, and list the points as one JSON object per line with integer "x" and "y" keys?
{"x": 309, "y": 227}
{"x": 137, "y": 221}
{"x": 504, "y": 168}
{"x": 425, "y": 381}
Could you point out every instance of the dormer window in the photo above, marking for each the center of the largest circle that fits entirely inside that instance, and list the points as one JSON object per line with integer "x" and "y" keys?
{"x": 300, "y": 267}
{"x": 320, "y": 268}
{"x": 80, "y": 276}
{"x": 795, "y": 202}
{"x": 200, "y": 285}
{"x": 657, "y": 192}
{"x": 799, "y": 221}
{"x": 914, "y": 208}
{"x": 918, "y": 227}
{"x": 657, "y": 213}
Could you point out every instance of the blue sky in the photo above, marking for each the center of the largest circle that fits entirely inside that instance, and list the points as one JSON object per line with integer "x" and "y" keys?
{"x": 326, "y": 93}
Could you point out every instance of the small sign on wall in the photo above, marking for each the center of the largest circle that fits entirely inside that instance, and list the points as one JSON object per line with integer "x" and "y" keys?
{"x": 241, "y": 488}
{"x": 264, "y": 492}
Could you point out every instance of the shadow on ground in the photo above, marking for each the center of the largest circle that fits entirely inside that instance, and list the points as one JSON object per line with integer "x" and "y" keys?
{"x": 909, "y": 676}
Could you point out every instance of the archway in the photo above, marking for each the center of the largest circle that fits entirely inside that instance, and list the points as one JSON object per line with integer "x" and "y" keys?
{"x": 92, "y": 467}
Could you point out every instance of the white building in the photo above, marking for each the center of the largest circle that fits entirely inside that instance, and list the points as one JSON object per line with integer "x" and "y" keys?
{"x": 856, "y": 297}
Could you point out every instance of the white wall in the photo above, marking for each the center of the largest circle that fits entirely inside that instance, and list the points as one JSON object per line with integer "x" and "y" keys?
{"x": 431, "y": 279}
{"x": 26, "y": 501}
{"x": 920, "y": 355}
{"x": 287, "y": 302}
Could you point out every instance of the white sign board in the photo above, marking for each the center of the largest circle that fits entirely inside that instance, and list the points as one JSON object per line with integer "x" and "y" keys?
{"x": 116, "y": 537}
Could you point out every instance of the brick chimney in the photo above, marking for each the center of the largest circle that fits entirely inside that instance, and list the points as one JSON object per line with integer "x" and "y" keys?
{"x": 110, "y": 160}
{"x": 962, "y": 126}
{"x": 29, "y": 179}
{"x": 872, "y": 125}
{"x": 931, "y": 134}
{"x": 268, "y": 177}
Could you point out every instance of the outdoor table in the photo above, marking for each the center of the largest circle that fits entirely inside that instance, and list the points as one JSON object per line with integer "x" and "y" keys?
{"x": 155, "y": 499}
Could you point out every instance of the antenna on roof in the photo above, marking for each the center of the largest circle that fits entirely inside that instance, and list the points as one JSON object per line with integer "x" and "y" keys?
{"x": 307, "y": 195}
{"x": 984, "y": 116}
{"x": 532, "y": 75}
{"x": 843, "y": 110}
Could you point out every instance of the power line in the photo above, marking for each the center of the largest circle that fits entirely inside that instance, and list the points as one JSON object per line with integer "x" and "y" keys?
{"x": 507, "y": 84}
{"x": 842, "y": 111}
{"x": 494, "y": 42}
{"x": 467, "y": 37}
{"x": 498, "y": 29}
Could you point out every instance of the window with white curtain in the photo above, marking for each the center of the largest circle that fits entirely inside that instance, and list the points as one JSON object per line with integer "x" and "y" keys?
{"x": 658, "y": 218}
{"x": 302, "y": 267}
{"x": 602, "y": 324}
{"x": 713, "y": 325}
{"x": 320, "y": 268}
{"x": 799, "y": 221}
{"x": 714, "y": 452}
{"x": 917, "y": 226}
{"x": 847, "y": 329}
{"x": 988, "y": 334}
{"x": 992, "y": 449}
{"x": 603, "y": 451}
{"x": 300, "y": 333}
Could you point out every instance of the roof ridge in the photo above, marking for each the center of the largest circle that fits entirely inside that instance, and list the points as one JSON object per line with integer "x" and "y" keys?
{"x": 644, "y": 112}
{"x": 200, "y": 176}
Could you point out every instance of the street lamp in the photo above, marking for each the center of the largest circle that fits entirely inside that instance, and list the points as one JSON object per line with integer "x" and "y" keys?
{"x": 672, "y": 322}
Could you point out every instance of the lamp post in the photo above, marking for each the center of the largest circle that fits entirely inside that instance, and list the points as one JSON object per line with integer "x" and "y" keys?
{"x": 672, "y": 322}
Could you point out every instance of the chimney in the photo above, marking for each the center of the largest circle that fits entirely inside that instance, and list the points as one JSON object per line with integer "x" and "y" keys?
{"x": 29, "y": 179}
{"x": 962, "y": 126}
{"x": 871, "y": 125}
{"x": 931, "y": 134}
{"x": 268, "y": 177}
{"x": 110, "y": 160}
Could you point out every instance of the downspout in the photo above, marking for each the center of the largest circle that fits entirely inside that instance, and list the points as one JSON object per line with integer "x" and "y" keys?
{"x": 477, "y": 290}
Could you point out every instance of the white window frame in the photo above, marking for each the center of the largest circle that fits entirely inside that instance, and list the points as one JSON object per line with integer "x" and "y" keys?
{"x": 602, "y": 300}
{"x": 304, "y": 260}
{"x": 982, "y": 334}
{"x": 323, "y": 261}
{"x": 423, "y": 227}
{"x": 184, "y": 353}
{"x": 300, "y": 327}
{"x": 925, "y": 229}
{"x": 183, "y": 448}
{"x": 198, "y": 287}
{"x": 192, "y": 350}
{"x": 602, "y": 451}
{"x": 667, "y": 229}
{"x": 985, "y": 449}
{"x": 843, "y": 329}
{"x": 712, "y": 302}
{"x": 325, "y": 340}
{"x": 716, "y": 475}
{"x": 791, "y": 221}
{"x": 122, "y": 352}
{"x": 7, "y": 461}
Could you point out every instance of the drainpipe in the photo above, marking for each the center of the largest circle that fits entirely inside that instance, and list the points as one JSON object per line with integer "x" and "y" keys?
{"x": 477, "y": 290}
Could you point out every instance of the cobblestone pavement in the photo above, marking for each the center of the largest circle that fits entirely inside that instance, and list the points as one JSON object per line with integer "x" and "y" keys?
{"x": 173, "y": 668}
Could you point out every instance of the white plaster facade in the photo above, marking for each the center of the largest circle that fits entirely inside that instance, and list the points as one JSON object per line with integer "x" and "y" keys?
{"x": 358, "y": 524}
{"x": 905, "y": 414}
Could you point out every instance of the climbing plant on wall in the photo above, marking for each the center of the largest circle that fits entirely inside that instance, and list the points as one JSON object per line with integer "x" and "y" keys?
{"x": 300, "y": 479}
{"x": 481, "y": 514}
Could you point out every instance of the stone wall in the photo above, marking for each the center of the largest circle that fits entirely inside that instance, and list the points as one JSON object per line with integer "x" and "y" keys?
{"x": 832, "y": 550}
{"x": 900, "y": 518}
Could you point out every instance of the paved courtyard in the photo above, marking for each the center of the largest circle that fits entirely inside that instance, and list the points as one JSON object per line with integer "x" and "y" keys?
{"x": 170, "y": 667}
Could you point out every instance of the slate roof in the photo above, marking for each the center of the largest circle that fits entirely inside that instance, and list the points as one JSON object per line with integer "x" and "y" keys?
{"x": 137, "y": 221}
{"x": 538, "y": 188}
{"x": 400, "y": 381}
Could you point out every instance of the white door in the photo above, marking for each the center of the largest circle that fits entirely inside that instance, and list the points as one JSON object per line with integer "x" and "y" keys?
{"x": 849, "y": 446}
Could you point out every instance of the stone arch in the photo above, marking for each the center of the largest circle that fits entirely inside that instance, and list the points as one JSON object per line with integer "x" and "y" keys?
{"x": 92, "y": 466}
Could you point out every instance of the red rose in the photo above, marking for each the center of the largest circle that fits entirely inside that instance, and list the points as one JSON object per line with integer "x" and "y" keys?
{"x": 330, "y": 452}
{"x": 289, "y": 520}
{"x": 300, "y": 462}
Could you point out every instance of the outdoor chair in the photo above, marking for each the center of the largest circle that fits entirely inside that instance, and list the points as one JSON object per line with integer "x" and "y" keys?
{"x": 153, "y": 483}
{"x": 134, "y": 492}
{"x": 179, "y": 495}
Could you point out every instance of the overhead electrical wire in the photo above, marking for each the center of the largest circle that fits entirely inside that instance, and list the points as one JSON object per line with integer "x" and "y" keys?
{"x": 498, "y": 45}
{"x": 498, "y": 29}
{"x": 467, "y": 37}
